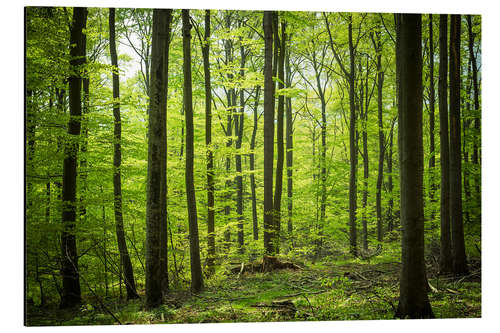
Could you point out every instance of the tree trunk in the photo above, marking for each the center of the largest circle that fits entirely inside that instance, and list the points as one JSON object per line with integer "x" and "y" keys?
{"x": 252, "y": 167}
{"x": 268, "y": 133}
{"x": 432, "y": 159}
{"x": 457, "y": 231}
{"x": 289, "y": 151}
{"x": 239, "y": 121}
{"x": 209, "y": 155}
{"x": 156, "y": 145}
{"x": 71, "y": 294}
{"x": 117, "y": 158}
{"x": 381, "y": 144}
{"x": 278, "y": 187}
{"x": 163, "y": 187}
{"x": 231, "y": 103}
{"x": 353, "y": 151}
{"x": 390, "y": 186}
{"x": 477, "y": 118}
{"x": 194, "y": 246}
{"x": 413, "y": 300}
{"x": 445, "y": 259}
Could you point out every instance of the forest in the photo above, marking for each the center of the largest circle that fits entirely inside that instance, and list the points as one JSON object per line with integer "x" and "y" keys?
{"x": 207, "y": 166}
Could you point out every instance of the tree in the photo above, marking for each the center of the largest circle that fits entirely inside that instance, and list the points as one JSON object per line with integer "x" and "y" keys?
{"x": 194, "y": 246}
{"x": 445, "y": 259}
{"x": 413, "y": 301}
{"x": 268, "y": 134}
{"x": 353, "y": 147}
{"x": 432, "y": 159}
{"x": 117, "y": 160}
{"x": 157, "y": 105}
{"x": 381, "y": 144}
{"x": 278, "y": 186}
{"x": 71, "y": 293}
{"x": 208, "y": 142}
{"x": 457, "y": 229}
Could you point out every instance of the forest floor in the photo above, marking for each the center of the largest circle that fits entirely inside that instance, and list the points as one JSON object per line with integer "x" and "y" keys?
{"x": 349, "y": 290}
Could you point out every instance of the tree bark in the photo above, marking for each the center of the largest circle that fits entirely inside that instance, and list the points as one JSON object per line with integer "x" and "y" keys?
{"x": 268, "y": 133}
{"x": 117, "y": 182}
{"x": 381, "y": 144}
{"x": 209, "y": 154}
{"x": 413, "y": 300}
{"x": 156, "y": 144}
{"x": 252, "y": 167}
{"x": 445, "y": 259}
{"x": 289, "y": 151}
{"x": 71, "y": 294}
{"x": 163, "y": 152}
{"x": 477, "y": 118}
{"x": 457, "y": 231}
{"x": 194, "y": 246}
{"x": 353, "y": 150}
{"x": 278, "y": 187}
{"x": 239, "y": 122}
{"x": 432, "y": 159}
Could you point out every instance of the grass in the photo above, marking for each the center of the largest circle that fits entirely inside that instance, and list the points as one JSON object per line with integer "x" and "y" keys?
{"x": 326, "y": 290}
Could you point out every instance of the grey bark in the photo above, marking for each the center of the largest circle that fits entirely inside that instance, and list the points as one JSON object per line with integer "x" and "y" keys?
{"x": 194, "y": 246}
{"x": 71, "y": 293}
{"x": 117, "y": 157}
{"x": 413, "y": 300}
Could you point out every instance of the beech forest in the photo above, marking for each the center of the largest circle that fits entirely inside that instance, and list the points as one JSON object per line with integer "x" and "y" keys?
{"x": 208, "y": 166}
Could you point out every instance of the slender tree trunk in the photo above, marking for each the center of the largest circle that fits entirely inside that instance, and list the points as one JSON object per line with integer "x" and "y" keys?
{"x": 117, "y": 159}
{"x": 353, "y": 150}
{"x": 278, "y": 187}
{"x": 475, "y": 158}
{"x": 196, "y": 275}
{"x": 289, "y": 151}
{"x": 390, "y": 186}
{"x": 239, "y": 121}
{"x": 209, "y": 155}
{"x": 432, "y": 159}
{"x": 252, "y": 167}
{"x": 156, "y": 144}
{"x": 445, "y": 259}
{"x": 457, "y": 231}
{"x": 71, "y": 294}
{"x": 268, "y": 133}
{"x": 413, "y": 300}
{"x": 381, "y": 144}
{"x": 231, "y": 103}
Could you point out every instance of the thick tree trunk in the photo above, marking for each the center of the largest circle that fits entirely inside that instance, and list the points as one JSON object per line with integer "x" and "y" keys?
{"x": 156, "y": 144}
{"x": 71, "y": 294}
{"x": 268, "y": 134}
{"x": 163, "y": 152}
{"x": 208, "y": 142}
{"x": 413, "y": 300}
{"x": 117, "y": 158}
{"x": 278, "y": 187}
{"x": 194, "y": 246}
{"x": 457, "y": 231}
{"x": 445, "y": 259}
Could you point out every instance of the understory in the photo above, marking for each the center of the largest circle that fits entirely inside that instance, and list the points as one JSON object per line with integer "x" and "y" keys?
{"x": 352, "y": 289}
